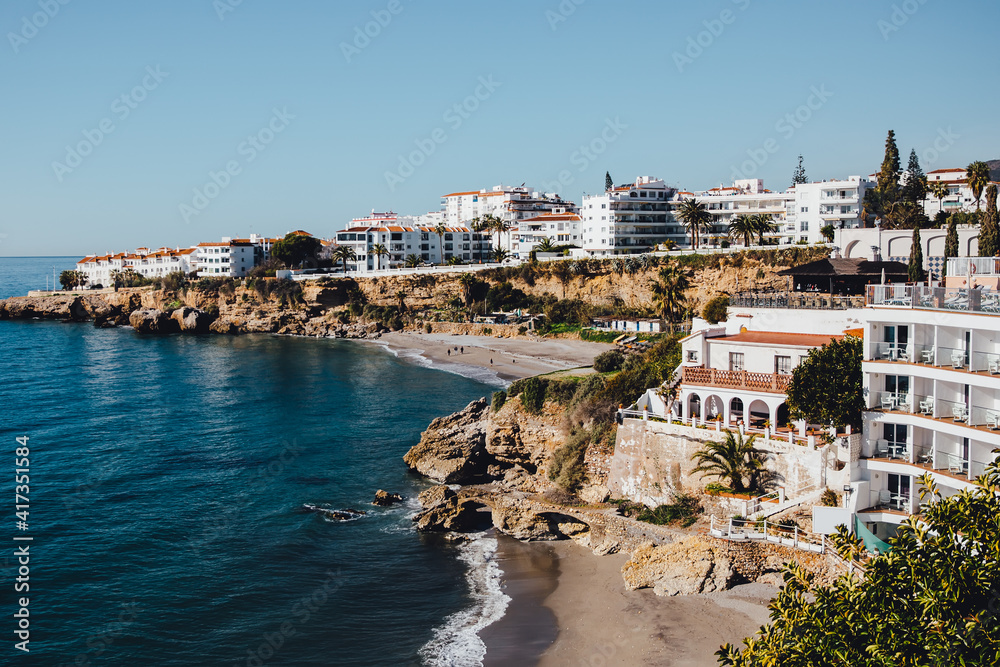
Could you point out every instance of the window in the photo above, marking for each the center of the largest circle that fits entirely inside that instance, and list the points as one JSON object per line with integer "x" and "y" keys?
{"x": 804, "y": 226}
{"x": 782, "y": 365}
{"x": 736, "y": 361}
{"x": 692, "y": 355}
{"x": 396, "y": 236}
{"x": 804, "y": 209}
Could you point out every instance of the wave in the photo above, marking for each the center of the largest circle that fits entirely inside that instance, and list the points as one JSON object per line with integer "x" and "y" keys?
{"x": 416, "y": 356}
{"x": 457, "y": 641}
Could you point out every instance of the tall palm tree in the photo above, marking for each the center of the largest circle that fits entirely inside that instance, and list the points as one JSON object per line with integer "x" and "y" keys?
{"x": 763, "y": 224}
{"x": 379, "y": 250}
{"x": 939, "y": 190}
{"x": 467, "y": 281}
{"x": 545, "y": 246}
{"x": 734, "y": 459}
{"x": 412, "y": 261}
{"x": 742, "y": 227}
{"x": 668, "y": 291}
{"x": 977, "y": 175}
{"x": 478, "y": 227}
{"x": 500, "y": 255}
{"x": 440, "y": 230}
{"x": 695, "y": 217}
{"x": 344, "y": 254}
{"x": 401, "y": 300}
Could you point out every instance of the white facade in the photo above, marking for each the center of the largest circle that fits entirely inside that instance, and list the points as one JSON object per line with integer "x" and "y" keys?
{"x": 561, "y": 226}
{"x": 151, "y": 264}
{"x": 749, "y": 197}
{"x": 630, "y": 219}
{"x": 836, "y": 203}
{"x": 894, "y": 245}
{"x": 231, "y": 258}
{"x": 932, "y": 381}
{"x": 402, "y": 238}
{"x": 959, "y": 197}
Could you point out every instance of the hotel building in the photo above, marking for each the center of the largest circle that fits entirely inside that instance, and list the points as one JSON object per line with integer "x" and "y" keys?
{"x": 630, "y": 219}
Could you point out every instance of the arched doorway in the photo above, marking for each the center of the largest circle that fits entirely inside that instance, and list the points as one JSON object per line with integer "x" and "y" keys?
{"x": 715, "y": 407}
{"x": 694, "y": 406}
{"x": 758, "y": 413}
{"x": 781, "y": 415}
{"x": 735, "y": 411}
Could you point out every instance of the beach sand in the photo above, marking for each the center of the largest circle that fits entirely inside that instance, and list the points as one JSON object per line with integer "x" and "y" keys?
{"x": 600, "y": 623}
{"x": 503, "y": 359}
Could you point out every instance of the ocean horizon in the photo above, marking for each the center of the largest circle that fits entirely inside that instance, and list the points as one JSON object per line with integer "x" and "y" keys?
{"x": 177, "y": 492}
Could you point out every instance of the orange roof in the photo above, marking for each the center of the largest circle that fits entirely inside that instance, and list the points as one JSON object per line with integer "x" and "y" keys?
{"x": 462, "y": 194}
{"x": 778, "y": 338}
{"x": 857, "y": 333}
{"x": 553, "y": 217}
{"x": 944, "y": 171}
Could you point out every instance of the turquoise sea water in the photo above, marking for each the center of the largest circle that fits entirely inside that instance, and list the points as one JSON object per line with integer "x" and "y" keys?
{"x": 168, "y": 479}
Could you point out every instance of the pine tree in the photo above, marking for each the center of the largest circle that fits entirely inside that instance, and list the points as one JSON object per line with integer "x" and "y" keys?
{"x": 888, "y": 176}
{"x": 950, "y": 242}
{"x": 608, "y": 183}
{"x": 799, "y": 175}
{"x": 915, "y": 189}
{"x": 915, "y": 270}
{"x": 988, "y": 232}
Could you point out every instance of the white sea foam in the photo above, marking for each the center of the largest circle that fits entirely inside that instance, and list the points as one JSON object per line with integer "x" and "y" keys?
{"x": 416, "y": 356}
{"x": 457, "y": 642}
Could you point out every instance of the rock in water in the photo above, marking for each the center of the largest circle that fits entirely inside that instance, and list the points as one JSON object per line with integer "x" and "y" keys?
{"x": 224, "y": 326}
{"x": 385, "y": 499}
{"x": 152, "y": 321}
{"x": 688, "y": 566}
{"x": 453, "y": 449}
{"x": 191, "y": 320}
{"x": 436, "y": 495}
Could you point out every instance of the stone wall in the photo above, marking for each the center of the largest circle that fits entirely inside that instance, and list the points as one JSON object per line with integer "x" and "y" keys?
{"x": 653, "y": 462}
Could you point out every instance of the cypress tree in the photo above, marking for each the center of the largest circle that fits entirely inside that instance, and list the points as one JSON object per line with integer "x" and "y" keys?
{"x": 950, "y": 242}
{"x": 799, "y": 175}
{"x": 988, "y": 233}
{"x": 888, "y": 176}
{"x": 608, "y": 183}
{"x": 915, "y": 270}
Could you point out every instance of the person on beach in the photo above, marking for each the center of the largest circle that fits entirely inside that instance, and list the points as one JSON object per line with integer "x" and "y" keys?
{"x": 449, "y": 352}
{"x": 491, "y": 361}
{"x": 463, "y": 349}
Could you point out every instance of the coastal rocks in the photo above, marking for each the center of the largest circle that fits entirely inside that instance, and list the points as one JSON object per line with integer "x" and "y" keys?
{"x": 594, "y": 494}
{"x": 52, "y": 307}
{"x": 445, "y": 511}
{"x": 348, "y": 514}
{"x": 516, "y": 518}
{"x": 386, "y": 499}
{"x": 687, "y": 566}
{"x": 191, "y": 320}
{"x": 453, "y": 449}
{"x": 152, "y": 321}
{"x": 436, "y": 495}
{"x": 224, "y": 326}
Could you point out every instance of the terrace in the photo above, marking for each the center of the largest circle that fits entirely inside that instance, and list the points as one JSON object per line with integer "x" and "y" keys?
{"x": 960, "y": 299}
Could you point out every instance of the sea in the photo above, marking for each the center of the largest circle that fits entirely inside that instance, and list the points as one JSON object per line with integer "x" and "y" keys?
{"x": 178, "y": 500}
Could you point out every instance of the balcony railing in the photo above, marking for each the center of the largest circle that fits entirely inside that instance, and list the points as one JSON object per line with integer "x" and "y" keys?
{"x": 934, "y": 298}
{"x": 774, "y": 383}
{"x": 960, "y": 266}
{"x": 979, "y": 416}
{"x": 796, "y": 300}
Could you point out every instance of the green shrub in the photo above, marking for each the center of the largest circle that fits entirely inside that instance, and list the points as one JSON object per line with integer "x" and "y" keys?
{"x": 533, "y": 394}
{"x": 172, "y": 306}
{"x": 716, "y": 310}
{"x": 609, "y": 361}
{"x": 715, "y": 488}
{"x": 566, "y": 468}
{"x": 499, "y": 398}
{"x": 560, "y": 391}
{"x": 522, "y": 330}
{"x": 428, "y": 328}
{"x": 829, "y": 498}
{"x": 683, "y": 510}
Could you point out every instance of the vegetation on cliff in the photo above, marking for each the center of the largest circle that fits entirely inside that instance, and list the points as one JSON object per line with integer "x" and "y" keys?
{"x": 932, "y": 600}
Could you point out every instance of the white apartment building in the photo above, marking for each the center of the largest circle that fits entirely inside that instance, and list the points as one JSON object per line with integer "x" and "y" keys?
{"x": 561, "y": 226}
{"x": 823, "y": 203}
{"x": 630, "y": 219}
{"x": 402, "y": 238}
{"x": 146, "y": 262}
{"x": 932, "y": 381}
{"x": 959, "y": 197}
{"x": 749, "y": 197}
{"x": 230, "y": 258}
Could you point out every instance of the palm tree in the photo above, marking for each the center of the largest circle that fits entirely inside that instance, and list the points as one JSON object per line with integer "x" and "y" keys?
{"x": 379, "y": 250}
{"x": 742, "y": 227}
{"x": 440, "y": 230}
{"x": 977, "y": 175}
{"x": 500, "y": 255}
{"x": 467, "y": 281}
{"x": 401, "y": 301}
{"x": 563, "y": 271}
{"x": 412, "y": 261}
{"x": 668, "y": 291}
{"x": 734, "y": 459}
{"x": 479, "y": 226}
{"x": 695, "y": 217}
{"x": 545, "y": 246}
{"x": 344, "y": 254}
{"x": 763, "y": 224}
{"x": 939, "y": 190}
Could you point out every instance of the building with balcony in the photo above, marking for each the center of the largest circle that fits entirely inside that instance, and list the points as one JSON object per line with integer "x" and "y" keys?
{"x": 837, "y": 203}
{"x": 230, "y": 258}
{"x": 402, "y": 237}
{"x": 749, "y": 197}
{"x": 959, "y": 197}
{"x": 630, "y": 219}
{"x": 932, "y": 384}
{"x": 146, "y": 262}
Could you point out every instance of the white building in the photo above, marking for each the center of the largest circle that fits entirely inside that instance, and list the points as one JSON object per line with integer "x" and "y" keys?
{"x": 894, "y": 245}
{"x": 402, "y": 238}
{"x": 749, "y": 197}
{"x": 959, "y": 197}
{"x": 932, "y": 382}
{"x": 561, "y": 226}
{"x": 146, "y": 262}
{"x": 630, "y": 219}
{"x": 837, "y": 203}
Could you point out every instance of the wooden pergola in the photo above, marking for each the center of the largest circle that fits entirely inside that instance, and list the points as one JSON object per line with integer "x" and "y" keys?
{"x": 844, "y": 276}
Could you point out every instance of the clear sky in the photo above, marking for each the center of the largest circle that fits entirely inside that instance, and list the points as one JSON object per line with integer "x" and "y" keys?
{"x": 116, "y": 111}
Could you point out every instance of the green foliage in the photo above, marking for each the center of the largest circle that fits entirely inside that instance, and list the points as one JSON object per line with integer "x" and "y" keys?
{"x": 695, "y": 217}
{"x": 669, "y": 292}
{"x": 503, "y": 297}
{"x": 172, "y": 306}
{"x": 609, "y": 361}
{"x": 599, "y": 336}
{"x": 989, "y": 236}
{"x": 716, "y": 310}
{"x": 915, "y": 269}
{"x": 829, "y": 498}
{"x": 532, "y": 394}
{"x": 499, "y": 398}
{"x": 210, "y": 285}
{"x": 71, "y": 279}
{"x": 715, "y": 488}
{"x": 266, "y": 269}
{"x": 173, "y": 281}
{"x": 826, "y": 388}
{"x": 567, "y": 311}
{"x": 799, "y": 175}
{"x": 931, "y": 601}
{"x": 734, "y": 459}
{"x": 950, "y": 241}
{"x": 282, "y": 290}
{"x": 428, "y": 328}
{"x": 566, "y": 467}
{"x": 684, "y": 510}
{"x": 827, "y": 231}
{"x": 296, "y": 250}
{"x": 977, "y": 175}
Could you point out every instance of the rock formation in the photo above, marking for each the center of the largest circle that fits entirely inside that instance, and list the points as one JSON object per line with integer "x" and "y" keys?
{"x": 152, "y": 321}
{"x": 687, "y": 566}
{"x": 386, "y": 499}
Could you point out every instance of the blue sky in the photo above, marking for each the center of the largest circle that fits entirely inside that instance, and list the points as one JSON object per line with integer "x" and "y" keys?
{"x": 689, "y": 92}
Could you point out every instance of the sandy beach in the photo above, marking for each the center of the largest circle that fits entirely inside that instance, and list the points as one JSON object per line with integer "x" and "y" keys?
{"x": 499, "y": 359}
{"x": 600, "y": 623}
